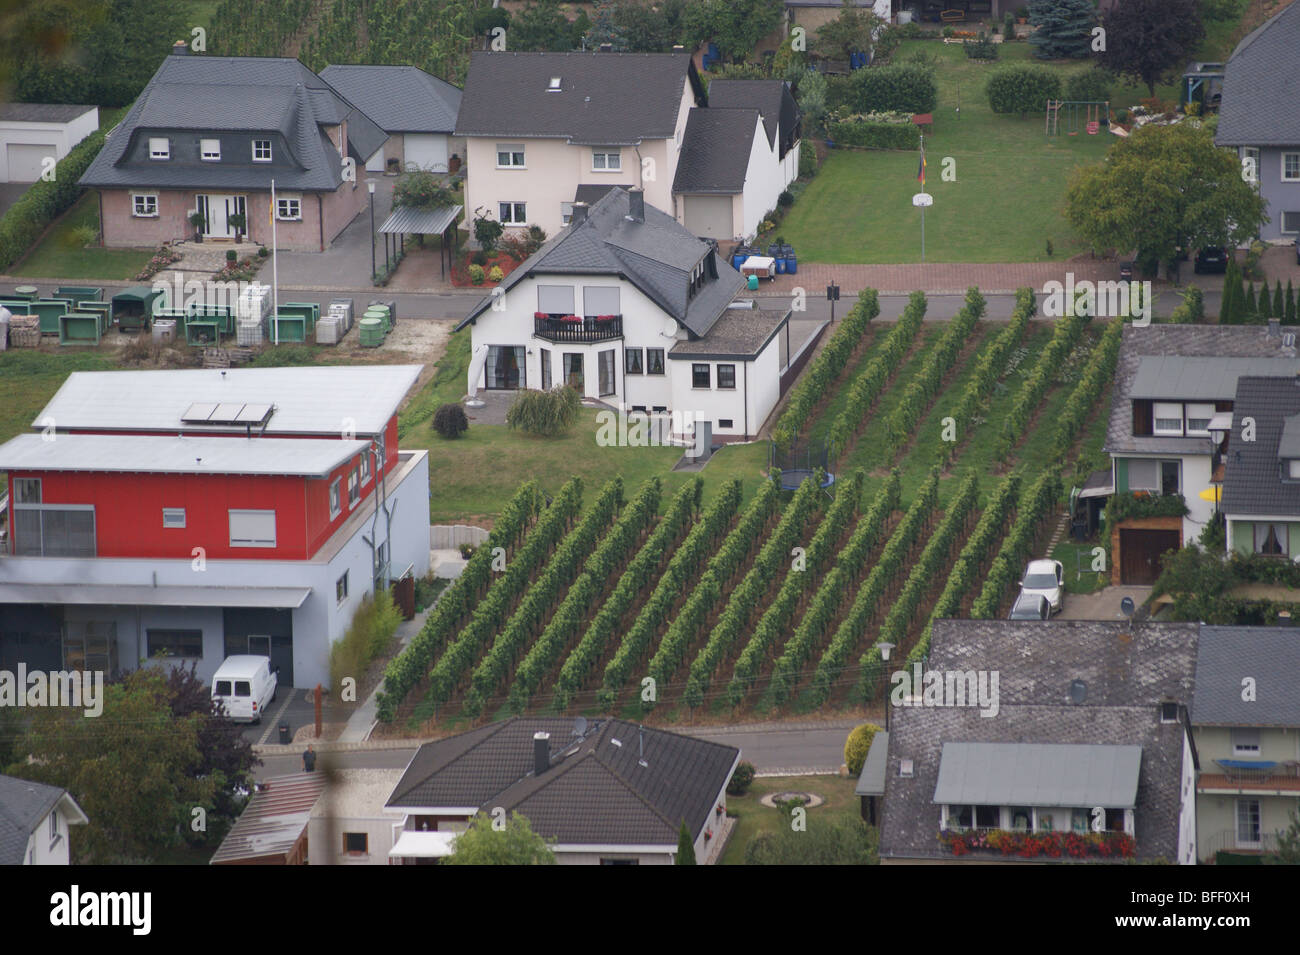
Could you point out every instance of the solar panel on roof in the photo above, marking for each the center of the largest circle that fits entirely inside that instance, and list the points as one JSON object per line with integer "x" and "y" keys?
{"x": 227, "y": 412}
{"x": 200, "y": 411}
{"x": 254, "y": 414}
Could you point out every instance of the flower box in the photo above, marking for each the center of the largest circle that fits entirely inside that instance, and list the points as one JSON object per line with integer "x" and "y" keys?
{"x": 570, "y": 318}
{"x": 540, "y": 315}
{"x": 606, "y": 318}
{"x": 1029, "y": 845}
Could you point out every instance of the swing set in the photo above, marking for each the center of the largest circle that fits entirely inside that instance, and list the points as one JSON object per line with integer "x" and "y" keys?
{"x": 1093, "y": 114}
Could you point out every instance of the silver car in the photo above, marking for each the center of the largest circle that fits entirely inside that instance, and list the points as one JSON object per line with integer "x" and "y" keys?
{"x": 1045, "y": 577}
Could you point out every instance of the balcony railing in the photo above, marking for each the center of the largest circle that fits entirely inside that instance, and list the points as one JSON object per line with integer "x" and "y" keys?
{"x": 1226, "y": 839}
{"x": 1258, "y": 771}
{"x": 572, "y": 328}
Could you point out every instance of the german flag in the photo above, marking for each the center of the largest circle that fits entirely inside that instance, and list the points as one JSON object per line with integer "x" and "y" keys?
{"x": 920, "y": 172}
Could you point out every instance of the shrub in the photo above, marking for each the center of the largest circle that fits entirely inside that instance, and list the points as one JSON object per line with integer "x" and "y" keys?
{"x": 1192, "y": 310}
{"x": 83, "y": 235}
{"x": 478, "y": 257}
{"x": 419, "y": 189}
{"x": 1093, "y": 84}
{"x": 1008, "y": 27}
{"x": 450, "y": 421}
{"x": 785, "y": 199}
{"x": 741, "y": 779}
{"x": 231, "y": 256}
{"x": 495, "y": 274}
{"x": 41, "y": 204}
{"x": 807, "y": 160}
{"x": 1022, "y": 88}
{"x": 263, "y": 252}
{"x": 487, "y": 232}
{"x": 858, "y": 745}
{"x": 373, "y": 624}
{"x": 545, "y": 413}
{"x": 981, "y": 49}
{"x": 949, "y": 31}
{"x": 903, "y": 87}
{"x": 875, "y": 134}
{"x": 476, "y": 274}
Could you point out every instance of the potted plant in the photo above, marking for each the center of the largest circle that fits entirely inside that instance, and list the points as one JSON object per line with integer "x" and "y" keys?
{"x": 231, "y": 257}
{"x": 197, "y": 220}
{"x": 238, "y": 221}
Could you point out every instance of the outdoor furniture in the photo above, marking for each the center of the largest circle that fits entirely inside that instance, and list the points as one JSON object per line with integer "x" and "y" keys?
{"x": 133, "y": 307}
{"x": 49, "y": 311}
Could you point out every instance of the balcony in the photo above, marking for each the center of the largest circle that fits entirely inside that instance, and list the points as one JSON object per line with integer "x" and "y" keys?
{"x": 1227, "y": 840}
{"x": 1252, "y": 776}
{"x": 575, "y": 329}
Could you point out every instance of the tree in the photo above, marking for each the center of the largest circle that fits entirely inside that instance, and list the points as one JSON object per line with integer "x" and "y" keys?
{"x": 540, "y": 27}
{"x": 487, "y": 231}
{"x": 1064, "y": 28}
{"x": 1146, "y": 41}
{"x": 685, "y": 847}
{"x": 514, "y": 844}
{"x": 1290, "y": 305}
{"x": 450, "y": 421}
{"x": 852, "y": 31}
{"x": 1251, "y": 306}
{"x": 741, "y": 779}
{"x": 1088, "y": 86}
{"x": 132, "y": 769}
{"x": 858, "y": 745}
{"x": 605, "y": 27}
{"x": 545, "y": 413}
{"x": 811, "y": 96}
{"x": 1279, "y": 303}
{"x": 651, "y": 28}
{"x": 736, "y": 26}
{"x": 1232, "y": 309}
{"x": 1288, "y": 844}
{"x": 1161, "y": 189}
{"x": 420, "y": 189}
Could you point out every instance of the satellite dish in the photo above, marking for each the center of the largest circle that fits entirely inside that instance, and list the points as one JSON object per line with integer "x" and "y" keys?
{"x": 1126, "y": 607}
{"x": 580, "y": 726}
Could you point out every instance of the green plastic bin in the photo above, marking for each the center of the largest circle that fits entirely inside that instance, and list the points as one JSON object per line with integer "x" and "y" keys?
{"x": 50, "y": 310}
{"x": 79, "y": 328}
{"x": 371, "y": 332}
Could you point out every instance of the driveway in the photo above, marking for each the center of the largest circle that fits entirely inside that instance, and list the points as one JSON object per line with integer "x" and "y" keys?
{"x": 292, "y": 705}
{"x": 346, "y": 262}
{"x": 1102, "y": 605}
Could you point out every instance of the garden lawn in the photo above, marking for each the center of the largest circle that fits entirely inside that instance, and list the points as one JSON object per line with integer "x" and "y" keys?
{"x": 753, "y": 819}
{"x": 60, "y": 254}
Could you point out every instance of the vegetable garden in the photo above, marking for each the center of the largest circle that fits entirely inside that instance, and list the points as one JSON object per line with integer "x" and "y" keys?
{"x": 948, "y": 440}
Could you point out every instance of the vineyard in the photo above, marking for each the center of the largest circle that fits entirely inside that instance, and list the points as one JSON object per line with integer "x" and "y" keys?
{"x": 949, "y": 442}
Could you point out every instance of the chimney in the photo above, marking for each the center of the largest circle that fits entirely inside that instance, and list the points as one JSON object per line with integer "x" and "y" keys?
{"x": 607, "y": 48}
{"x": 1274, "y": 327}
{"x": 541, "y": 753}
{"x": 636, "y": 205}
{"x": 579, "y": 213}
{"x": 180, "y": 48}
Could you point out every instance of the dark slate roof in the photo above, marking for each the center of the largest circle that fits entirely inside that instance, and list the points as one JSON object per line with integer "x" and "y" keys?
{"x": 400, "y": 99}
{"x": 656, "y": 256}
{"x": 1227, "y": 655}
{"x": 1252, "y": 479}
{"x": 192, "y": 95}
{"x": 1243, "y": 341}
{"x": 41, "y": 112}
{"x": 715, "y": 151}
{"x": 1261, "y": 86}
{"x": 592, "y": 192}
{"x": 740, "y": 333}
{"x": 23, "y": 804}
{"x": 1128, "y": 673}
{"x": 772, "y": 98}
{"x": 605, "y": 99}
{"x": 595, "y": 792}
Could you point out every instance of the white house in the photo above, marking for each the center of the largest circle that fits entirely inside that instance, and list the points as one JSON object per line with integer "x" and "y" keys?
{"x": 31, "y": 133}
{"x": 34, "y": 822}
{"x": 633, "y": 311}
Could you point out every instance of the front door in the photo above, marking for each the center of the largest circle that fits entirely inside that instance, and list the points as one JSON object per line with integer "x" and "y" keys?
{"x": 573, "y": 376}
{"x": 217, "y": 211}
{"x": 1140, "y": 552}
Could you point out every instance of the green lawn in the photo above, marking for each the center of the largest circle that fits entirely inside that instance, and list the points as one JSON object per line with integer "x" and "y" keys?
{"x": 753, "y": 819}
{"x": 61, "y": 254}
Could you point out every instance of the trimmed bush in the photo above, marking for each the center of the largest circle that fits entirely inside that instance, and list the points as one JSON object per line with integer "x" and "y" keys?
{"x": 44, "y": 202}
{"x": 495, "y": 274}
{"x": 741, "y": 779}
{"x": 478, "y": 257}
{"x": 982, "y": 48}
{"x": 785, "y": 199}
{"x": 1093, "y": 84}
{"x": 1022, "y": 88}
{"x": 858, "y": 745}
{"x": 476, "y": 273}
{"x": 874, "y": 134}
{"x": 450, "y": 421}
{"x": 902, "y": 87}
{"x": 545, "y": 413}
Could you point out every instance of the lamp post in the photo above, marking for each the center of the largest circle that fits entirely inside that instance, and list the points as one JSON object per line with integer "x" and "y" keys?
{"x": 885, "y": 647}
{"x": 370, "y": 187}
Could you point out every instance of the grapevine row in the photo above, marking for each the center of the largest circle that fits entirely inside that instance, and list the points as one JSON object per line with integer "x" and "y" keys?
{"x": 1030, "y": 398}
{"x": 1005, "y": 571}
{"x": 1096, "y": 377}
{"x": 582, "y": 659}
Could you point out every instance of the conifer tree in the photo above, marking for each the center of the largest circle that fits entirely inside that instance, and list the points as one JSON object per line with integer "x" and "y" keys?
{"x": 1064, "y": 28}
{"x": 685, "y": 848}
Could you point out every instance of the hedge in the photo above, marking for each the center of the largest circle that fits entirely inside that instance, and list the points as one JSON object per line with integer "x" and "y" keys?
{"x": 874, "y": 135}
{"x": 44, "y": 202}
{"x": 902, "y": 87}
{"x": 1022, "y": 88}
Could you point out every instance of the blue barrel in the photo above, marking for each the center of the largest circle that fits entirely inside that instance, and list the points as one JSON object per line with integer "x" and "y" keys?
{"x": 780, "y": 266}
{"x": 791, "y": 264}
{"x": 774, "y": 251}
{"x": 751, "y": 283}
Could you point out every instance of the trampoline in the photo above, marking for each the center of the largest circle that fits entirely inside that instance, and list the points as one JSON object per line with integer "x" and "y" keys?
{"x": 798, "y": 464}
{"x": 791, "y": 479}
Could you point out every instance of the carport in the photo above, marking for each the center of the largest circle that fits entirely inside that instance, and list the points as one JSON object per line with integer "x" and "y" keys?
{"x": 438, "y": 221}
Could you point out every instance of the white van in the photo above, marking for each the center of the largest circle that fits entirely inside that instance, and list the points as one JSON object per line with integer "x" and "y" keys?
{"x": 246, "y": 685}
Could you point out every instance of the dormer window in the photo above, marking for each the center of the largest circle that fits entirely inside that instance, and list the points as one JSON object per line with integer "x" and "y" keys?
{"x": 554, "y": 86}
{"x": 261, "y": 150}
{"x": 159, "y": 148}
{"x": 1168, "y": 418}
{"x": 697, "y": 278}
{"x": 1198, "y": 418}
{"x": 1292, "y": 469}
{"x": 210, "y": 150}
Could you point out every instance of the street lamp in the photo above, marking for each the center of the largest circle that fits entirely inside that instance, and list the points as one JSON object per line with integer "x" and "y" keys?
{"x": 370, "y": 187}
{"x": 885, "y": 647}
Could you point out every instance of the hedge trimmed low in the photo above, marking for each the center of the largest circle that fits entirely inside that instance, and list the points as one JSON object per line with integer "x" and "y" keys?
{"x": 852, "y": 131}
{"x": 44, "y": 202}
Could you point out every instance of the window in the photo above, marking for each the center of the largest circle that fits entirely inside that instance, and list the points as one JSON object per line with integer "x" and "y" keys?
{"x": 545, "y": 354}
{"x": 1198, "y": 418}
{"x": 601, "y": 300}
{"x": 1271, "y": 539}
{"x": 160, "y": 148}
{"x": 1291, "y": 222}
{"x": 607, "y": 159}
{"x": 574, "y": 375}
{"x": 261, "y": 150}
{"x": 243, "y": 688}
{"x": 354, "y": 487}
{"x": 335, "y": 499}
{"x": 356, "y": 843}
{"x": 512, "y": 213}
{"x": 554, "y": 86}
{"x": 505, "y": 367}
{"x": 1291, "y": 167}
{"x": 510, "y": 157}
{"x": 1251, "y": 153}
{"x": 341, "y": 588}
{"x": 605, "y": 861}
{"x": 1143, "y": 474}
{"x": 727, "y": 376}
{"x": 27, "y": 491}
{"x": 252, "y": 528}
{"x": 365, "y": 466}
{"x": 144, "y": 206}
{"x": 1168, "y": 712}
{"x": 697, "y": 278}
{"x": 54, "y": 828}
{"x": 654, "y": 361}
{"x": 175, "y": 643}
{"x": 726, "y": 422}
{"x": 1293, "y": 469}
{"x": 46, "y": 530}
{"x": 1245, "y": 742}
{"x": 700, "y": 376}
{"x": 1247, "y": 822}
{"x": 290, "y": 209}
{"x": 173, "y": 517}
{"x": 633, "y": 361}
{"x": 566, "y": 213}
{"x": 555, "y": 299}
{"x": 210, "y": 149}
{"x": 1169, "y": 477}
{"x": 608, "y": 378}
{"x": 1169, "y": 417}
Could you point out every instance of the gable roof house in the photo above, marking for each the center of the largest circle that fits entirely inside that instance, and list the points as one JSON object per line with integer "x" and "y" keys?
{"x": 542, "y": 127}
{"x": 34, "y": 821}
{"x": 608, "y": 792}
{"x": 1170, "y": 417}
{"x": 208, "y": 134}
{"x": 32, "y": 135}
{"x": 1261, "y": 480}
{"x": 1257, "y": 115}
{"x": 1249, "y": 744}
{"x": 633, "y": 311}
{"x": 1089, "y": 742}
{"x": 417, "y": 111}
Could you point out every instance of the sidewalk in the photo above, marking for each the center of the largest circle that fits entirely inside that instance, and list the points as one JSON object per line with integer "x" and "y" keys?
{"x": 942, "y": 278}
{"x": 363, "y": 719}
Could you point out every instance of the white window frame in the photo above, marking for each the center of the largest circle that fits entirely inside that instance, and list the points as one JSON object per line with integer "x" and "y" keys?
{"x": 512, "y": 207}
{"x": 341, "y": 588}
{"x": 160, "y": 148}
{"x": 150, "y": 201}
{"x": 566, "y": 213}
{"x": 1173, "y": 410}
{"x": 1282, "y": 164}
{"x": 290, "y": 203}
{"x": 1133, "y": 485}
{"x": 511, "y": 151}
{"x": 365, "y": 467}
{"x": 354, "y": 488}
{"x": 1189, "y": 415}
{"x": 173, "y": 517}
{"x": 1293, "y": 469}
{"x": 336, "y": 498}
{"x": 1251, "y": 152}
{"x": 1295, "y": 214}
{"x": 1246, "y": 804}
{"x": 210, "y": 150}
{"x": 251, "y": 541}
{"x": 257, "y": 147}
{"x": 1283, "y": 539}
{"x": 605, "y": 154}
{"x": 1245, "y": 742}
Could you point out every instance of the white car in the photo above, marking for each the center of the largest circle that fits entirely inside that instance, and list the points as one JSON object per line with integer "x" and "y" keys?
{"x": 1045, "y": 578}
{"x": 246, "y": 686}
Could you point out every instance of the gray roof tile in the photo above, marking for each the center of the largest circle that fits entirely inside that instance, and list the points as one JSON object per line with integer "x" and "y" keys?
{"x": 41, "y": 112}
{"x": 23, "y": 804}
{"x": 1252, "y": 481}
{"x": 1261, "y": 85}
{"x": 772, "y": 98}
{"x": 1227, "y": 655}
{"x": 400, "y": 99}
{"x": 739, "y": 333}
{"x": 715, "y": 151}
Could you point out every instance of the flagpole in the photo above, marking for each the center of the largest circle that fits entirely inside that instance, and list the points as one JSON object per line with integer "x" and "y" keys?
{"x": 275, "y": 275}
{"x": 922, "y": 133}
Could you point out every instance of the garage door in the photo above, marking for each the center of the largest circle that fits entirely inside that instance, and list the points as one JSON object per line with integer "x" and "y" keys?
{"x": 26, "y": 161}
{"x": 426, "y": 150}
{"x": 1140, "y": 552}
{"x": 709, "y": 216}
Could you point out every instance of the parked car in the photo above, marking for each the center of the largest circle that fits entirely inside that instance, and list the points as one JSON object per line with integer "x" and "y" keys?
{"x": 1045, "y": 578}
{"x": 246, "y": 685}
{"x": 1212, "y": 258}
{"x": 1126, "y": 271}
{"x": 1030, "y": 607}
